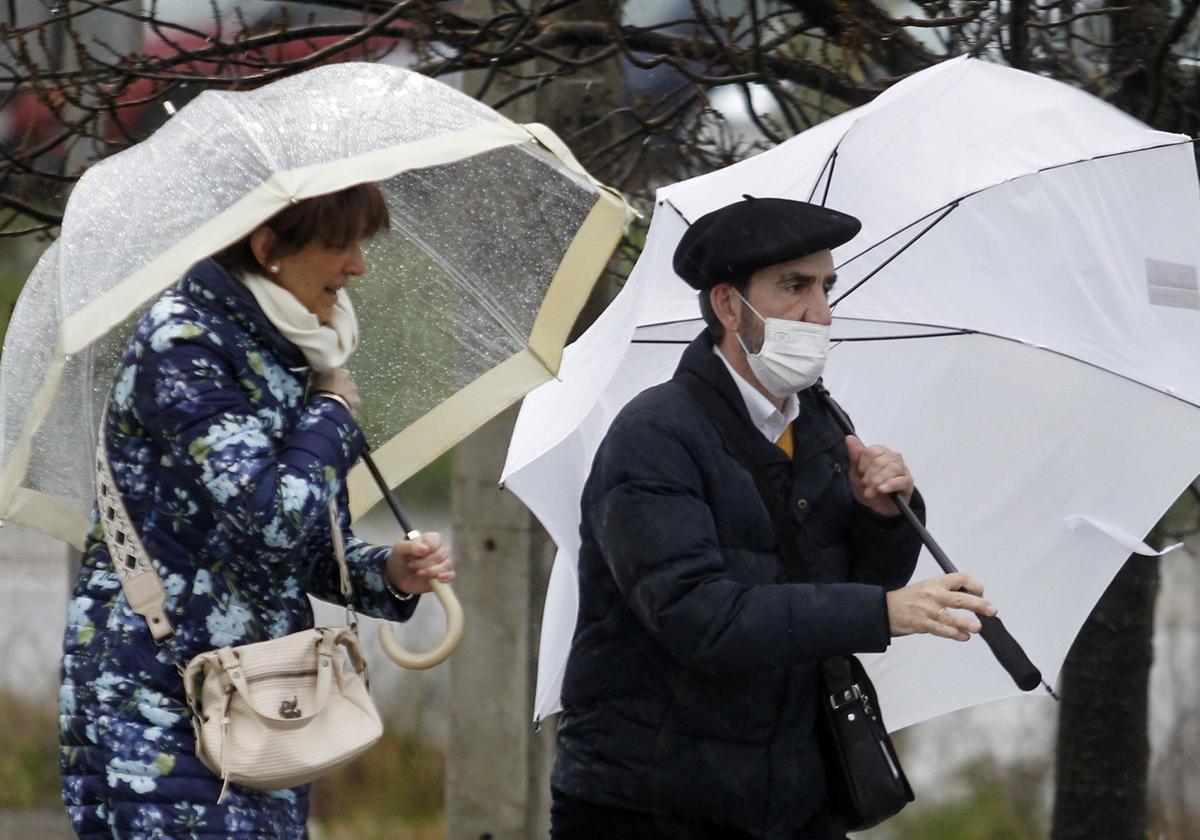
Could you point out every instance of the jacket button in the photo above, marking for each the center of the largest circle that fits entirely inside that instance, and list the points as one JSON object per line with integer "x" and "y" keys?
{"x": 837, "y": 468}
{"x": 802, "y": 504}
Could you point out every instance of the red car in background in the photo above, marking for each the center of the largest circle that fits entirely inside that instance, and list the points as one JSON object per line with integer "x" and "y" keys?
{"x": 31, "y": 119}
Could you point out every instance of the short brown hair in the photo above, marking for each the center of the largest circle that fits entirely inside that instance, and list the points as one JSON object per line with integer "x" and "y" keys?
{"x": 715, "y": 328}
{"x": 335, "y": 219}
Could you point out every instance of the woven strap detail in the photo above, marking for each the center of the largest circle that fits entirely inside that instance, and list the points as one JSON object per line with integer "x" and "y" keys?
{"x": 139, "y": 578}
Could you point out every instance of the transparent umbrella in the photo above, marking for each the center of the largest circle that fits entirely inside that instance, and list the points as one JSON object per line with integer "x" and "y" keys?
{"x": 497, "y": 237}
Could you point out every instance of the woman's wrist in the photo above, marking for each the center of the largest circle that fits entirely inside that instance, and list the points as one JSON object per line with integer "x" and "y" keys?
{"x": 338, "y": 398}
{"x": 403, "y": 597}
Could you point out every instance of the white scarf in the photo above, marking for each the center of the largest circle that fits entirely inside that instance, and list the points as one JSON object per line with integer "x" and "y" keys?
{"x": 325, "y": 346}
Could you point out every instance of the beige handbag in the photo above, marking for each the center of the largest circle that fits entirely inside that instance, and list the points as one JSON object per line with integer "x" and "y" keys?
{"x": 283, "y": 712}
{"x": 267, "y": 715}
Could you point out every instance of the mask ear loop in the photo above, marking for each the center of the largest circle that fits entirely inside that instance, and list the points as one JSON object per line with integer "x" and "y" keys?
{"x": 757, "y": 314}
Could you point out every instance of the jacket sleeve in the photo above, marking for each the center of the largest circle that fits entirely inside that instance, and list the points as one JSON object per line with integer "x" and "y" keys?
{"x": 367, "y": 566}
{"x": 884, "y": 550}
{"x": 189, "y": 399}
{"x": 656, "y": 532}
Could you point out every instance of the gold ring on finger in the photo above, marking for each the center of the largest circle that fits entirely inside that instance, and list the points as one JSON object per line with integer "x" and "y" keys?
{"x": 940, "y": 614}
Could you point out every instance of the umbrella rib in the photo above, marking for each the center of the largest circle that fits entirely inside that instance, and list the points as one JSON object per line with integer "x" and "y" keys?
{"x": 829, "y": 179}
{"x": 831, "y": 160}
{"x": 947, "y": 332}
{"x": 1032, "y": 345}
{"x": 904, "y": 337}
{"x": 946, "y": 212}
{"x": 695, "y": 317}
{"x": 824, "y": 168}
{"x": 961, "y": 198}
{"x": 670, "y": 204}
{"x": 834, "y": 341}
{"x": 477, "y": 290}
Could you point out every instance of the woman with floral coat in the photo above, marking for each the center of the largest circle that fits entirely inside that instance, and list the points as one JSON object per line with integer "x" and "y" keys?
{"x": 229, "y": 429}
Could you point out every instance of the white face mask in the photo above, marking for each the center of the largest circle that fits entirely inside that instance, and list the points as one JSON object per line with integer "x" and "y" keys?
{"x": 792, "y": 356}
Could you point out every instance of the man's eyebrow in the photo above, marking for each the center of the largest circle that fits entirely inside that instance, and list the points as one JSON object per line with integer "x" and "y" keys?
{"x": 792, "y": 276}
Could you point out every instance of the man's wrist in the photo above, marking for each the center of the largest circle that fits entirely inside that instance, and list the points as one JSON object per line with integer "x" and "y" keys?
{"x": 886, "y": 519}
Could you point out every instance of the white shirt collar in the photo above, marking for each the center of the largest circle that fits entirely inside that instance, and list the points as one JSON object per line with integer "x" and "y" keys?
{"x": 768, "y": 419}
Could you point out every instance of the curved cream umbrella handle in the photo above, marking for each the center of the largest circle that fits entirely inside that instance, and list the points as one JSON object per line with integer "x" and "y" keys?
{"x": 441, "y": 652}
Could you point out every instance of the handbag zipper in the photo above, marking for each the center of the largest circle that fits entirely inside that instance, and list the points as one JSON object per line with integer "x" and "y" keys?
{"x": 278, "y": 674}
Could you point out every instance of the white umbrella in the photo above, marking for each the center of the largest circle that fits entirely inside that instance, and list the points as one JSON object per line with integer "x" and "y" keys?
{"x": 1030, "y": 347}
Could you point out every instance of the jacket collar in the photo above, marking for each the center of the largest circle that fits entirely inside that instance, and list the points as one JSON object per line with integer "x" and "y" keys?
{"x": 214, "y": 288}
{"x": 814, "y": 430}
{"x": 763, "y": 414}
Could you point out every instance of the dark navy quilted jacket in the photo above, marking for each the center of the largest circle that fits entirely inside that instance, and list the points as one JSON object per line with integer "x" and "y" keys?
{"x": 691, "y": 685}
{"x": 227, "y": 470}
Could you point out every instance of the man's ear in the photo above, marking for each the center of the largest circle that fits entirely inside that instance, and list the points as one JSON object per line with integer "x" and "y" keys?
{"x": 262, "y": 242}
{"x": 722, "y": 300}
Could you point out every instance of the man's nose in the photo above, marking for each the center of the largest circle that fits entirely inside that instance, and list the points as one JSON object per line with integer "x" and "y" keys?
{"x": 819, "y": 313}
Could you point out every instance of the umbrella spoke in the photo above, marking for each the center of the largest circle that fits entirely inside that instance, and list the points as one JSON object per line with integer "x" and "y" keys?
{"x": 831, "y": 164}
{"x": 834, "y": 342}
{"x": 837, "y": 341}
{"x": 945, "y": 212}
{"x": 671, "y": 204}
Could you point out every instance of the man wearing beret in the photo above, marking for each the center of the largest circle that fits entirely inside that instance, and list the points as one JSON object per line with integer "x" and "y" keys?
{"x": 691, "y": 692}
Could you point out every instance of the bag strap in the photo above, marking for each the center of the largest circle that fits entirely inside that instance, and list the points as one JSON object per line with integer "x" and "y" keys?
{"x": 339, "y": 554}
{"x": 143, "y": 587}
{"x": 139, "y": 578}
{"x": 740, "y": 438}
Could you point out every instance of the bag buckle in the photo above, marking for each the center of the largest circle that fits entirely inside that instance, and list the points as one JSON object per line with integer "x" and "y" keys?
{"x": 850, "y": 695}
{"x": 854, "y": 694}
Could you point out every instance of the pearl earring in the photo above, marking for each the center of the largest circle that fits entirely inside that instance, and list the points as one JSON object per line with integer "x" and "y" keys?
{"x": 273, "y": 268}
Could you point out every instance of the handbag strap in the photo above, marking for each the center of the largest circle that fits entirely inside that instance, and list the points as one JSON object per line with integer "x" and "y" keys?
{"x": 139, "y": 578}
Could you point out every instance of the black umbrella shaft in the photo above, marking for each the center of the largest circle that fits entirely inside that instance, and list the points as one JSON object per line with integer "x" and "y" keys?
{"x": 388, "y": 496}
{"x": 1004, "y": 647}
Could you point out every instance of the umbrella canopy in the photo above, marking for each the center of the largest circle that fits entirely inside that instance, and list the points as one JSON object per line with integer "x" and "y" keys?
{"x": 1019, "y": 316}
{"x": 453, "y": 328}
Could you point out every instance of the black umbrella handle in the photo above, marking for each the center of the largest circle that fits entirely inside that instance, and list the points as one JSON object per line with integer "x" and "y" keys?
{"x": 1004, "y": 647}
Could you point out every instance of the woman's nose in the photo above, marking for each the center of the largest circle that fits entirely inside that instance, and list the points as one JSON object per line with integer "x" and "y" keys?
{"x": 356, "y": 264}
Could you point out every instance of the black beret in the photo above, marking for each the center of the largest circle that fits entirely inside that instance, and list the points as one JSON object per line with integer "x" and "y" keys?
{"x": 736, "y": 240}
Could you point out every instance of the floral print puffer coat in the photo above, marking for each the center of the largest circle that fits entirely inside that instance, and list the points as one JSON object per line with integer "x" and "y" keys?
{"x": 226, "y": 470}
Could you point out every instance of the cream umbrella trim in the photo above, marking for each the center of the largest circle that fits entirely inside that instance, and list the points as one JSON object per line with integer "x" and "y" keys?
{"x": 49, "y": 515}
{"x": 43, "y": 517}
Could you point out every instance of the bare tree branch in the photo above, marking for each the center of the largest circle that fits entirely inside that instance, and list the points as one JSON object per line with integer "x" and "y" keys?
{"x": 812, "y": 58}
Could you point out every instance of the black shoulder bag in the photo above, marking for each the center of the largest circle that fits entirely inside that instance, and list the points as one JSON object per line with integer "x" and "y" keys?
{"x": 866, "y": 782}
